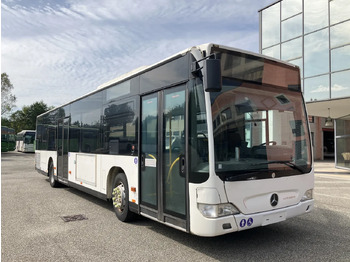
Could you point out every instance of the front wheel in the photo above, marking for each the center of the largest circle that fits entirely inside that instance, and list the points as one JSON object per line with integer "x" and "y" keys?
{"x": 120, "y": 198}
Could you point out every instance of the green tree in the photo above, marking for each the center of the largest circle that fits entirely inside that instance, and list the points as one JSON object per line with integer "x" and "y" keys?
{"x": 5, "y": 122}
{"x": 25, "y": 119}
{"x": 8, "y": 100}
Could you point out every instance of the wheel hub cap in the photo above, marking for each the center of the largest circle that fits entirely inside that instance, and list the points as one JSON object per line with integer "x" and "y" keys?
{"x": 119, "y": 197}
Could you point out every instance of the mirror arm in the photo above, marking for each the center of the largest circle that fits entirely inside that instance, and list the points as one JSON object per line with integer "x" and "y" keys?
{"x": 195, "y": 68}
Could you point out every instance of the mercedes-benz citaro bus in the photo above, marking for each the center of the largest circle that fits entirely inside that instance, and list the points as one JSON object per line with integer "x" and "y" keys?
{"x": 210, "y": 141}
{"x": 25, "y": 141}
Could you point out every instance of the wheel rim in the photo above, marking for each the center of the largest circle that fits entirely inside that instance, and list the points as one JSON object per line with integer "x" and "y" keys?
{"x": 119, "y": 197}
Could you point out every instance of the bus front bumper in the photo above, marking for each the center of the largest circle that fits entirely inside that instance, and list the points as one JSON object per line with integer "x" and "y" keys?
{"x": 270, "y": 217}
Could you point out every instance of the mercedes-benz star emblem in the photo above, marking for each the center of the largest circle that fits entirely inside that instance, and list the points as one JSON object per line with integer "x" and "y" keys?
{"x": 274, "y": 200}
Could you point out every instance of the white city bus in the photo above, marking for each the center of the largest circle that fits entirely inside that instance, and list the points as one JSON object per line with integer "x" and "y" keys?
{"x": 211, "y": 140}
{"x": 25, "y": 141}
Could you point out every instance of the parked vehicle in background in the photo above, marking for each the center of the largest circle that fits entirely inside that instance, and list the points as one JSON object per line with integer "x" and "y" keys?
{"x": 25, "y": 141}
{"x": 8, "y": 139}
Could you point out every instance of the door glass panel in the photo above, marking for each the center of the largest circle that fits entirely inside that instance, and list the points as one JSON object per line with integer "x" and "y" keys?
{"x": 174, "y": 151}
{"x": 65, "y": 147}
{"x": 62, "y": 149}
{"x": 59, "y": 148}
{"x": 149, "y": 147}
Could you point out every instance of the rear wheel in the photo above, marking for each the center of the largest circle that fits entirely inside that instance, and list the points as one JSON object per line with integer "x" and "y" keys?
{"x": 120, "y": 198}
{"x": 53, "y": 182}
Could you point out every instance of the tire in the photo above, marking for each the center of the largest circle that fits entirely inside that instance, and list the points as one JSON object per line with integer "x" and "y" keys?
{"x": 53, "y": 183}
{"x": 120, "y": 198}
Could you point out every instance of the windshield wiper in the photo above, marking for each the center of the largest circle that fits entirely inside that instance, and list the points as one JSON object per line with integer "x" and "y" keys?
{"x": 287, "y": 163}
{"x": 250, "y": 174}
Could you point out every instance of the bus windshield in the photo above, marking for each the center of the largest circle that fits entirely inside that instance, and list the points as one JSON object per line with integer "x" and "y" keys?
{"x": 259, "y": 121}
{"x": 29, "y": 137}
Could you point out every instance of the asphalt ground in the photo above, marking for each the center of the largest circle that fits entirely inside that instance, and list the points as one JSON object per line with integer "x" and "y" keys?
{"x": 32, "y": 228}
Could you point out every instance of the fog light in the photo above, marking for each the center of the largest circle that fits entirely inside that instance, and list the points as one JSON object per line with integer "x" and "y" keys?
{"x": 218, "y": 210}
{"x": 308, "y": 195}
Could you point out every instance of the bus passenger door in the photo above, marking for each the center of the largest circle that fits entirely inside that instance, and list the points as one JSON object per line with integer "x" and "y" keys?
{"x": 62, "y": 148}
{"x": 163, "y": 144}
{"x": 149, "y": 152}
{"x": 173, "y": 152}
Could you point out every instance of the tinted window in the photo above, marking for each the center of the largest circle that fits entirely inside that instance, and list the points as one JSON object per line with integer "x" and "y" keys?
{"x": 256, "y": 69}
{"x": 75, "y": 126}
{"x": 119, "y": 124}
{"x": 90, "y": 127}
{"x": 117, "y": 91}
{"x": 165, "y": 75}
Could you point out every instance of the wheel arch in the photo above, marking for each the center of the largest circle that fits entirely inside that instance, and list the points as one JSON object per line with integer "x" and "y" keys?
{"x": 48, "y": 165}
{"x": 113, "y": 172}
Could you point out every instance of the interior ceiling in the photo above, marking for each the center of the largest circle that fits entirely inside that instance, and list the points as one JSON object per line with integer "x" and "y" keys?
{"x": 339, "y": 108}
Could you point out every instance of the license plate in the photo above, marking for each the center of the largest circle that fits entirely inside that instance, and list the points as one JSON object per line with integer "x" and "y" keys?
{"x": 274, "y": 218}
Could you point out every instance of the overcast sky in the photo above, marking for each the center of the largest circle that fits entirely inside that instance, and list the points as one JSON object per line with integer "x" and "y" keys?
{"x": 59, "y": 50}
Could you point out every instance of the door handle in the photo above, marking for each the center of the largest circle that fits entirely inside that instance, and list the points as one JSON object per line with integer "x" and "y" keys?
{"x": 182, "y": 163}
{"x": 143, "y": 164}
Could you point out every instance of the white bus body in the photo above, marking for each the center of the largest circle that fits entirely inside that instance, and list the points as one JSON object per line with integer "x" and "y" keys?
{"x": 25, "y": 141}
{"x": 207, "y": 147}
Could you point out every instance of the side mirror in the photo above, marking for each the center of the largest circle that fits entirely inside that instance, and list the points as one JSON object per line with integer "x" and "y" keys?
{"x": 212, "y": 75}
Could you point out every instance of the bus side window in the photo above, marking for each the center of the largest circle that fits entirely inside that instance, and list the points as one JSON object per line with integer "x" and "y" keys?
{"x": 120, "y": 128}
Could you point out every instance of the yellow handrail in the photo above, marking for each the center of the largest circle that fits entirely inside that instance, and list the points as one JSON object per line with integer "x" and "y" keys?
{"x": 171, "y": 168}
{"x": 152, "y": 156}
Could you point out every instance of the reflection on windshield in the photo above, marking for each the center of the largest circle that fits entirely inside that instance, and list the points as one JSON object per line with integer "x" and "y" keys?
{"x": 259, "y": 132}
{"x": 29, "y": 137}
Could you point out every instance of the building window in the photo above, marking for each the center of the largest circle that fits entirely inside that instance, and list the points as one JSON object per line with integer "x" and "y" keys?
{"x": 273, "y": 51}
{"x": 342, "y": 136}
{"x": 340, "y": 10}
{"x": 290, "y": 8}
{"x": 340, "y": 34}
{"x": 292, "y": 49}
{"x": 292, "y": 27}
{"x": 315, "y": 15}
{"x": 340, "y": 58}
{"x": 271, "y": 26}
{"x": 316, "y": 55}
{"x": 316, "y": 88}
{"x": 340, "y": 84}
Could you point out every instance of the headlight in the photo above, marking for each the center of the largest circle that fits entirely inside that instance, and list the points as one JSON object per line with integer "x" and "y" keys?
{"x": 308, "y": 195}
{"x": 219, "y": 210}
